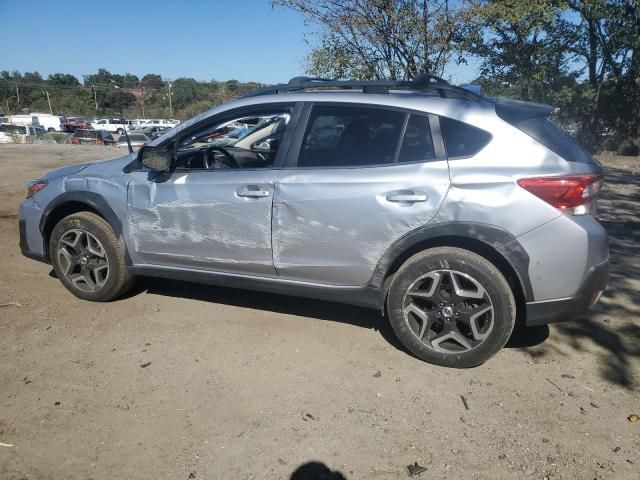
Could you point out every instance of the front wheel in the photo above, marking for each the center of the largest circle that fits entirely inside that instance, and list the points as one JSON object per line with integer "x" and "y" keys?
{"x": 88, "y": 258}
{"x": 451, "y": 307}
{"x": 120, "y": 131}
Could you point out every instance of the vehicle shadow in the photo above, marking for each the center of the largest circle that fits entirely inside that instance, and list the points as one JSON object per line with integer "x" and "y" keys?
{"x": 305, "y": 307}
{"x": 271, "y": 302}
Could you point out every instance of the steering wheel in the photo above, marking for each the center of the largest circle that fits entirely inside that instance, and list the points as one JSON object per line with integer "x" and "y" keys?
{"x": 228, "y": 162}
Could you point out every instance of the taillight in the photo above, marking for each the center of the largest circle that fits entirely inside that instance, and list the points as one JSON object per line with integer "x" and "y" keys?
{"x": 574, "y": 194}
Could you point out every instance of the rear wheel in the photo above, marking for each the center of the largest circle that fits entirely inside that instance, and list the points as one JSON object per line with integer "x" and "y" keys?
{"x": 120, "y": 131}
{"x": 451, "y": 307}
{"x": 88, "y": 258}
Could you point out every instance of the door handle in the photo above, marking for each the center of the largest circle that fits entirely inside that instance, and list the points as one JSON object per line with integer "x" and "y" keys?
{"x": 407, "y": 197}
{"x": 252, "y": 191}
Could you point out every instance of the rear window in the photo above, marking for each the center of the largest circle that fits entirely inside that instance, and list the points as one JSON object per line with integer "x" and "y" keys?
{"x": 554, "y": 138}
{"x": 134, "y": 138}
{"x": 461, "y": 139}
{"x": 85, "y": 134}
{"x": 13, "y": 129}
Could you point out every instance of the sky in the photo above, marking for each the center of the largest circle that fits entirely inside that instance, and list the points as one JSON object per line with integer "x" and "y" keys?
{"x": 245, "y": 40}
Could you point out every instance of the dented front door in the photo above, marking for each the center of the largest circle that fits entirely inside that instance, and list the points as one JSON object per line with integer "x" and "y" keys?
{"x": 213, "y": 219}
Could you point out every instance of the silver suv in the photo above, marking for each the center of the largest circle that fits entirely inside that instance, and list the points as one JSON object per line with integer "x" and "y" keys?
{"x": 456, "y": 215}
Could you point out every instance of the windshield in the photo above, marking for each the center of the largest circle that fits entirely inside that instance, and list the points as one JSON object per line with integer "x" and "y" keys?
{"x": 237, "y": 132}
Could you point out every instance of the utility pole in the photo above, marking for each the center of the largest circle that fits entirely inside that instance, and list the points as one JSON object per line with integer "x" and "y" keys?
{"x": 95, "y": 97}
{"x": 170, "y": 104}
{"x": 18, "y": 94}
{"x": 46, "y": 92}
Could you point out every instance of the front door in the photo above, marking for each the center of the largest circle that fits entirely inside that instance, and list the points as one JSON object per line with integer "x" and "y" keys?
{"x": 214, "y": 211}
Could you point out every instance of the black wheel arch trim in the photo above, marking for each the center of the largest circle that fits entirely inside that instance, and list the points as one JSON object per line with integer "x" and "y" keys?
{"x": 94, "y": 201}
{"x": 492, "y": 236}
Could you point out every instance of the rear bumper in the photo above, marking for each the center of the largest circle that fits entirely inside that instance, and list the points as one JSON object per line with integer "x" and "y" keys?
{"x": 551, "y": 311}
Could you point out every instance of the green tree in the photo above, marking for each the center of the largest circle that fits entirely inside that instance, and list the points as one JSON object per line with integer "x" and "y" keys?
{"x": 520, "y": 44}
{"x": 372, "y": 39}
{"x": 185, "y": 91}
{"x": 117, "y": 100}
{"x": 152, "y": 81}
{"x": 62, "y": 80}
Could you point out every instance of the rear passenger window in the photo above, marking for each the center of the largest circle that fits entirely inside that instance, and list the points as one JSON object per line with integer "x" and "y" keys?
{"x": 461, "y": 139}
{"x": 343, "y": 136}
{"x": 417, "y": 144}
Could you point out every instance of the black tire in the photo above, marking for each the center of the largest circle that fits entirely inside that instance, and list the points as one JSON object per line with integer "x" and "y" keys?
{"x": 438, "y": 263}
{"x": 116, "y": 281}
{"x": 120, "y": 131}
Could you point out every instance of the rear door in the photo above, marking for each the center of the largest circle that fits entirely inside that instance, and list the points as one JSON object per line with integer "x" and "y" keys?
{"x": 357, "y": 179}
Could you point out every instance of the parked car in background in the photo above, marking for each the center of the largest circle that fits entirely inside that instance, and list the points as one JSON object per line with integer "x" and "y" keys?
{"x": 50, "y": 123}
{"x": 159, "y": 122}
{"x": 74, "y": 123}
{"x": 96, "y": 137}
{"x": 137, "y": 140}
{"x": 12, "y": 133}
{"x": 151, "y": 132}
{"x": 112, "y": 125}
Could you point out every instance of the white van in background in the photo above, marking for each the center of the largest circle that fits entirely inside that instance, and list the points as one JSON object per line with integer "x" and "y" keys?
{"x": 158, "y": 122}
{"x": 50, "y": 123}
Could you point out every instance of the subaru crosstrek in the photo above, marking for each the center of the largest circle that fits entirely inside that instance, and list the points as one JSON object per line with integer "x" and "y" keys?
{"x": 456, "y": 215}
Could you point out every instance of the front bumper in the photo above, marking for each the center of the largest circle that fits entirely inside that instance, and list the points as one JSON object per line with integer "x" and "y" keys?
{"x": 551, "y": 311}
{"x": 31, "y": 241}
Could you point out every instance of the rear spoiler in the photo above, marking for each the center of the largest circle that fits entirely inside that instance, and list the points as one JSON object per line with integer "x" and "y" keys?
{"x": 515, "y": 111}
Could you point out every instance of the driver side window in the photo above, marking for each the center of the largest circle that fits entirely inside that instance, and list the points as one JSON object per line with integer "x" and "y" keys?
{"x": 250, "y": 140}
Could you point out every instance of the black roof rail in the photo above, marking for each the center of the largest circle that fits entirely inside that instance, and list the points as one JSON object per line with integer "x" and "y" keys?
{"x": 421, "y": 82}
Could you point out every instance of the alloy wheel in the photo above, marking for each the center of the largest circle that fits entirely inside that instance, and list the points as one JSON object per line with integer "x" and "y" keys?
{"x": 83, "y": 260}
{"x": 448, "y": 311}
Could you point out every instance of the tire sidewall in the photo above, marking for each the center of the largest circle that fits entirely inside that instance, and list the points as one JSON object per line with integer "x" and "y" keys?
{"x": 490, "y": 278}
{"x": 76, "y": 222}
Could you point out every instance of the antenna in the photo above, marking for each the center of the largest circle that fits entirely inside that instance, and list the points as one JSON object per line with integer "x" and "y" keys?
{"x": 124, "y": 127}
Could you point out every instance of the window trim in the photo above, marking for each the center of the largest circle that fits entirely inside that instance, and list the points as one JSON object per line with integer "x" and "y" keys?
{"x": 295, "y": 108}
{"x": 303, "y": 123}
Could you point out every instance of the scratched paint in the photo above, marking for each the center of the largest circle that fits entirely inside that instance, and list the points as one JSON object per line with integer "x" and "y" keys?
{"x": 189, "y": 221}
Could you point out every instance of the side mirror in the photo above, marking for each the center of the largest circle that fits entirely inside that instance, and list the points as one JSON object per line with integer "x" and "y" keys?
{"x": 156, "y": 159}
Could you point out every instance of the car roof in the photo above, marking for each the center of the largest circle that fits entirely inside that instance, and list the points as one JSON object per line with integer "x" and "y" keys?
{"x": 419, "y": 101}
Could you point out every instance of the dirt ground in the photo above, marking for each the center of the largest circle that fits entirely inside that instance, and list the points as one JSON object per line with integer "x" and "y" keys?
{"x": 184, "y": 381}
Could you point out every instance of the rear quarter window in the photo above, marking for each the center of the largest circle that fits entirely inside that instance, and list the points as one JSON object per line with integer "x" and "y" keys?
{"x": 461, "y": 139}
{"x": 554, "y": 138}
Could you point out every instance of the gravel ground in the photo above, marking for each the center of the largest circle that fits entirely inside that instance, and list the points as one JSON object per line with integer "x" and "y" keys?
{"x": 184, "y": 381}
